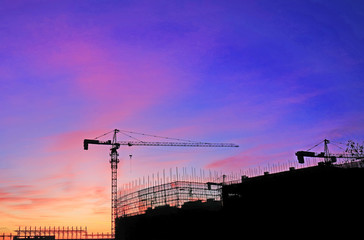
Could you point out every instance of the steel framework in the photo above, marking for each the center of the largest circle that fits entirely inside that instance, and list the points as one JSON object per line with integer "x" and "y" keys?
{"x": 173, "y": 194}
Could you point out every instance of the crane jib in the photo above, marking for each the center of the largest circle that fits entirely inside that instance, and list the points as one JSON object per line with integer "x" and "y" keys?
{"x": 177, "y": 144}
{"x": 86, "y": 142}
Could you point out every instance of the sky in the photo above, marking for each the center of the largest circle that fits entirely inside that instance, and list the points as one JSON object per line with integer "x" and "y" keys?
{"x": 273, "y": 77}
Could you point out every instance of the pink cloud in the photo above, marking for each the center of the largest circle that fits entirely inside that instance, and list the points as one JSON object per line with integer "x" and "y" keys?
{"x": 69, "y": 140}
{"x": 99, "y": 71}
{"x": 231, "y": 162}
{"x": 256, "y": 151}
{"x": 299, "y": 98}
{"x": 129, "y": 87}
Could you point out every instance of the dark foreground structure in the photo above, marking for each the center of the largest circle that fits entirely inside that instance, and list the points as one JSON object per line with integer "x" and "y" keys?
{"x": 323, "y": 201}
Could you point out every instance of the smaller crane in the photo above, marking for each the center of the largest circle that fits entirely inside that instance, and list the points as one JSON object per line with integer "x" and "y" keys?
{"x": 115, "y": 145}
{"x": 328, "y": 157}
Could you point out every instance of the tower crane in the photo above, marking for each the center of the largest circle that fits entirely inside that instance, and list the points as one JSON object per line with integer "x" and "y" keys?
{"x": 328, "y": 157}
{"x": 115, "y": 145}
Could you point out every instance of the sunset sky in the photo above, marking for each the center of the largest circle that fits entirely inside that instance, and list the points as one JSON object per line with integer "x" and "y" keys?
{"x": 274, "y": 77}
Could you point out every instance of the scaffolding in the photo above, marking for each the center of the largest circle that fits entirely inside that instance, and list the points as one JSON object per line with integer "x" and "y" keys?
{"x": 173, "y": 194}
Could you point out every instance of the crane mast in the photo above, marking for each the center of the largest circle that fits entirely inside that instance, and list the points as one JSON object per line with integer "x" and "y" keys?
{"x": 114, "y": 180}
{"x": 114, "y": 160}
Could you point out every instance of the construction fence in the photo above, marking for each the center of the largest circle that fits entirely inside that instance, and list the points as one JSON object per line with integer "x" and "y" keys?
{"x": 60, "y": 233}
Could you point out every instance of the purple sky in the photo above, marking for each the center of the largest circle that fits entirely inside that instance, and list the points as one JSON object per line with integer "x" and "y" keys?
{"x": 274, "y": 77}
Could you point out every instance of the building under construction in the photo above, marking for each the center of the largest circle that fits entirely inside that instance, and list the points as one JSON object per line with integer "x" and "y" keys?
{"x": 323, "y": 200}
{"x": 174, "y": 194}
